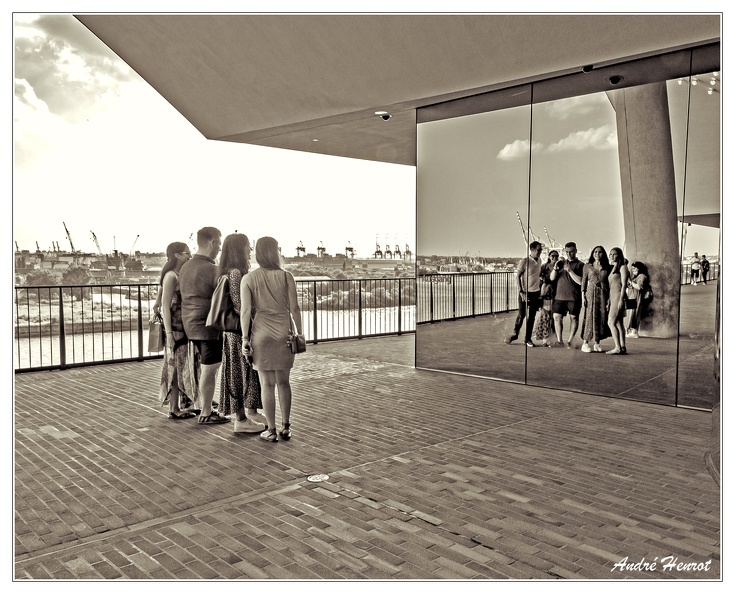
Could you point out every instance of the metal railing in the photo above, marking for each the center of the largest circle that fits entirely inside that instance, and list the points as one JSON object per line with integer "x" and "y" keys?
{"x": 57, "y": 327}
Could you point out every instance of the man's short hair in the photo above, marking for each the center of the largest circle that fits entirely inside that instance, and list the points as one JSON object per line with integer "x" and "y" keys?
{"x": 207, "y": 234}
{"x": 570, "y": 245}
{"x": 534, "y": 245}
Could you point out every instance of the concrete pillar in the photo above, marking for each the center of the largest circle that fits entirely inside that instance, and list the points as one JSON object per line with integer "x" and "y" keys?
{"x": 649, "y": 198}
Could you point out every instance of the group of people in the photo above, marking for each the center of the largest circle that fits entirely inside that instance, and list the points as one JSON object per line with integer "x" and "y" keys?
{"x": 255, "y": 362}
{"x": 700, "y": 269}
{"x": 612, "y": 292}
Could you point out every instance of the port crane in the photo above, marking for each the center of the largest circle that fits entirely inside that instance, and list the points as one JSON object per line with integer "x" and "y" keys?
{"x": 407, "y": 253}
{"x": 300, "y": 250}
{"x": 378, "y": 252}
{"x": 97, "y": 243}
{"x": 68, "y": 235}
{"x": 349, "y": 251}
{"x": 320, "y": 250}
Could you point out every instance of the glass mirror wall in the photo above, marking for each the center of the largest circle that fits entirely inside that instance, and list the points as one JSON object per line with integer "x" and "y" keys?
{"x": 604, "y": 161}
{"x": 472, "y": 183}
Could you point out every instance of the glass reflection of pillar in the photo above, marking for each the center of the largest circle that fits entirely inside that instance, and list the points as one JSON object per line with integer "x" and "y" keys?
{"x": 649, "y": 196}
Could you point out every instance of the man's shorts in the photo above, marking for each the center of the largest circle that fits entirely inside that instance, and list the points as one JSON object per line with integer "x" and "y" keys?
{"x": 210, "y": 351}
{"x": 564, "y": 307}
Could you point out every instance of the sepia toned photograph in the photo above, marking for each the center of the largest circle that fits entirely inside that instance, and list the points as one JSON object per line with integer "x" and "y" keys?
{"x": 355, "y": 297}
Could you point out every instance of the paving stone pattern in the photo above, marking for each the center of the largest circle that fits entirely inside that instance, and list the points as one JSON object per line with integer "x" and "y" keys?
{"x": 431, "y": 476}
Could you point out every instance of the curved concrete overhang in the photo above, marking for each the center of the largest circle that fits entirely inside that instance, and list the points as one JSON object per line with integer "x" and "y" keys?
{"x": 314, "y": 82}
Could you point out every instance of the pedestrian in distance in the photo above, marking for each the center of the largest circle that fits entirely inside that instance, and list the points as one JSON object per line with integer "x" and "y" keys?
{"x": 269, "y": 304}
{"x": 704, "y": 269}
{"x": 239, "y": 383}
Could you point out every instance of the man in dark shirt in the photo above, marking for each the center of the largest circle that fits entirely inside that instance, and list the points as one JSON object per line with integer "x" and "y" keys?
{"x": 197, "y": 281}
{"x": 568, "y": 298}
{"x": 704, "y": 268}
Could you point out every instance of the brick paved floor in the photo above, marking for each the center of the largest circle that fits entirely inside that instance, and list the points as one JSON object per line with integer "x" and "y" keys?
{"x": 431, "y": 476}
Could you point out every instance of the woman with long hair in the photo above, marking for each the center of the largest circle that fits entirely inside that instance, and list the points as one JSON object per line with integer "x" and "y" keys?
{"x": 544, "y": 323}
{"x": 617, "y": 280}
{"x": 176, "y": 385}
{"x": 270, "y": 292}
{"x": 636, "y": 305}
{"x": 239, "y": 382}
{"x": 596, "y": 296}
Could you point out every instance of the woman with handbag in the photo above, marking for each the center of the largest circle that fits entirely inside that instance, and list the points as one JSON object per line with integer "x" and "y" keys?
{"x": 239, "y": 382}
{"x": 635, "y": 305}
{"x": 176, "y": 385}
{"x": 543, "y": 328}
{"x": 270, "y": 311}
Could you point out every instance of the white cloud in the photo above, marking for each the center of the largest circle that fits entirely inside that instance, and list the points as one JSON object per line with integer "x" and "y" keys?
{"x": 518, "y": 149}
{"x": 604, "y": 137}
{"x": 573, "y": 107}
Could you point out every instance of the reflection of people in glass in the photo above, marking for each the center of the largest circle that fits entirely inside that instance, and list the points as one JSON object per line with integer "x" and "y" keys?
{"x": 567, "y": 275}
{"x": 529, "y": 292}
{"x": 542, "y": 330}
{"x": 596, "y": 299}
{"x": 704, "y": 268}
{"x": 617, "y": 280}
{"x": 695, "y": 269}
{"x": 635, "y": 304}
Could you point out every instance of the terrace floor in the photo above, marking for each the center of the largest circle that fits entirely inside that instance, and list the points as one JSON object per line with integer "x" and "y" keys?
{"x": 430, "y": 476}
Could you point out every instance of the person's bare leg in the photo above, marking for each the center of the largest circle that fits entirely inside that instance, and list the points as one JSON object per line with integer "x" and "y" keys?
{"x": 268, "y": 394}
{"x": 558, "y": 327}
{"x": 284, "y": 394}
{"x": 207, "y": 381}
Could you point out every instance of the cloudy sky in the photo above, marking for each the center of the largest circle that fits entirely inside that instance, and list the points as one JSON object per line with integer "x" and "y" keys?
{"x": 98, "y": 149}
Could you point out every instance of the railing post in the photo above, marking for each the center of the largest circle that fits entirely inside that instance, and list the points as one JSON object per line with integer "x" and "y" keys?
{"x": 473, "y": 295}
{"x": 359, "y": 308}
{"x": 454, "y": 296}
{"x": 62, "y": 331}
{"x": 315, "y": 317}
{"x": 400, "y": 292}
{"x": 431, "y": 298}
{"x": 140, "y": 324}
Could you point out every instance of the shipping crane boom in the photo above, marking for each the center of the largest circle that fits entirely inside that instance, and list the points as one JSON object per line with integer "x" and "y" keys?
{"x": 68, "y": 235}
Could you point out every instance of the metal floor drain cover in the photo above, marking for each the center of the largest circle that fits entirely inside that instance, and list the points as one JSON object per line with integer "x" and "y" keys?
{"x": 318, "y": 478}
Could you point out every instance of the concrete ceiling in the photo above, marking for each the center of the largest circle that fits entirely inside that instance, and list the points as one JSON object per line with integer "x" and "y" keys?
{"x": 285, "y": 80}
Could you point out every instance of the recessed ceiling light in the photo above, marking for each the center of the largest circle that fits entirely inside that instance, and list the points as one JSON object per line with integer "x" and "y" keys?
{"x": 381, "y": 112}
{"x": 315, "y": 140}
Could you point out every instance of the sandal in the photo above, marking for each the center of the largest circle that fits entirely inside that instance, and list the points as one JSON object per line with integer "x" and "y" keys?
{"x": 285, "y": 432}
{"x": 214, "y": 418}
{"x": 269, "y": 435}
{"x": 183, "y": 414}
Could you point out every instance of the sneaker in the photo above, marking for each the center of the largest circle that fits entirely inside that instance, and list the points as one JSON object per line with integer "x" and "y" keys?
{"x": 511, "y": 338}
{"x": 546, "y": 344}
{"x": 529, "y": 344}
{"x": 258, "y": 418}
{"x": 248, "y": 426}
{"x": 633, "y": 334}
{"x": 585, "y": 348}
{"x": 598, "y": 348}
{"x": 569, "y": 344}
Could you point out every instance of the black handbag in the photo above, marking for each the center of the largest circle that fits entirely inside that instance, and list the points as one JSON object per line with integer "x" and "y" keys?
{"x": 296, "y": 342}
{"x": 222, "y": 315}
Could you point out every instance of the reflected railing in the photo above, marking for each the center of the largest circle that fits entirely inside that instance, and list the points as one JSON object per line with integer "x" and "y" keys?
{"x": 56, "y": 327}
